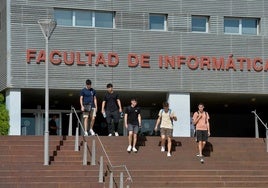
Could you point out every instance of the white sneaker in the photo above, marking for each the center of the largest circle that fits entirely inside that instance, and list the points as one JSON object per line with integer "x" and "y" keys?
{"x": 86, "y": 134}
{"x": 116, "y": 134}
{"x": 168, "y": 154}
{"x": 134, "y": 149}
{"x": 92, "y": 132}
{"x": 162, "y": 149}
{"x": 110, "y": 134}
{"x": 129, "y": 148}
{"x": 202, "y": 160}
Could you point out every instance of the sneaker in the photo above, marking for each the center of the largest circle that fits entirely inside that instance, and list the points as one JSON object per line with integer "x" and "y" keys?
{"x": 129, "y": 148}
{"x": 86, "y": 134}
{"x": 110, "y": 134}
{"x": 134, "y": 149}
{"x": 116, "y": 134}
{"x": 198, "y": 155}
{"x": 169, "y": 154}
{"x": 202, "y": 160}
{"x": 162, "y": 149}
{"x": 92, "y": 132}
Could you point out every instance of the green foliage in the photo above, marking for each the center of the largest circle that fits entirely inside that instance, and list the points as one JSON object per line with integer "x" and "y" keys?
{"x": 4, "y": 117}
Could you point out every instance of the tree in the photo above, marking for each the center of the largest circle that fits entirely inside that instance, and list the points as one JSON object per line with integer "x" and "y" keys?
{"x": 4, "y": 117}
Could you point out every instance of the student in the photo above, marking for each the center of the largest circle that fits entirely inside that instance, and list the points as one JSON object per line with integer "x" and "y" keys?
{"x": 165, "y": 119}
{"x": 111, "y": 107}
{"x": 88, "y": 103}
{"x": 201, "y": 120}
{"x": 132, "y": 123}
{"x": 53, "y": 126}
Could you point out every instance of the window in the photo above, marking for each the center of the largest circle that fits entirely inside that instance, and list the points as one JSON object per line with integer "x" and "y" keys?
{"x": 200, "y": 24}
{"x": 245, "y": 26}
{"x": 104, "y": 19}
{"x": 158, "y": 22}
{"x": 63, "y": 17}
{"x": 84, "y": 18}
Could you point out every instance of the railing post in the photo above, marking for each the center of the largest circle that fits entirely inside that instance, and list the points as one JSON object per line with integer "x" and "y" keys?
{"x": 111, "y": 182}
{"x": 256, "y": 127}
{"x": 85, "y": 154}
{"x": 266, "y": 140}
{"x": 76, "y": 147}
{"x": 121, "y": 185}
{"x": 70, "y": 132}
{"x": 93, "y": 156}
{"x": 101, "y": 170}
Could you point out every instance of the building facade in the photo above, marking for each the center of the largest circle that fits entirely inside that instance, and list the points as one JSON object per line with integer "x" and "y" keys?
{"x": 183, "y": 51}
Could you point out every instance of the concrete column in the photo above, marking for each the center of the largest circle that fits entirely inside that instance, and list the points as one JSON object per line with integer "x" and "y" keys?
{"x": 13, "y": 103}
{"x": 180, "y": 104}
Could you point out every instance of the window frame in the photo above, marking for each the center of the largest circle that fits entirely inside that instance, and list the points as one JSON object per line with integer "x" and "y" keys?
{"x": 165, "y": 16}
{"x": 93, "y": 18}
{"x": 207, "y": 19}
{"x": 240, "y": 26}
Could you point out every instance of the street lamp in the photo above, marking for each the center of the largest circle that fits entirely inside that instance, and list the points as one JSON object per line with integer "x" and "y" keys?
{"x": 47, "y": 26}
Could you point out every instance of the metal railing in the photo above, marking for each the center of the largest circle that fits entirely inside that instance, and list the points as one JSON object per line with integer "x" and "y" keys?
{"x": 257, "y": 118}
{"x": 112, "y": 167}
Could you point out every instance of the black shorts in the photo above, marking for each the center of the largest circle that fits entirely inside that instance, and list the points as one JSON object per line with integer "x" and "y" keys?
{"x": 201, "y": 135}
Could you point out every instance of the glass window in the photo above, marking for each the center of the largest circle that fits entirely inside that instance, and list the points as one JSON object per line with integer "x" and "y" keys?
{"x": 63, "y": 17}
{"x": 200, "y": 24}
{"x": 104, "y": 19}
{"x": 158, "y": 22}
{"x": 83, "y": 18}
{"x": 231, "y": 25}
{"x": 249, "y": 26}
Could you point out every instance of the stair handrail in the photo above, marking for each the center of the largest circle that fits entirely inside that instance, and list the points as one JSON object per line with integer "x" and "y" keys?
{"x": 257, "y": 128}
{"x": 109, "y": 161}
{"x": 103, "y": 149}
{"x": 79, "y": 122}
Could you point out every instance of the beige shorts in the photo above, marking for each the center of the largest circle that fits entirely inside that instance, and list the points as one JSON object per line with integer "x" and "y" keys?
{"x": 166, "y": 132}
{"x": 92, "y": 113}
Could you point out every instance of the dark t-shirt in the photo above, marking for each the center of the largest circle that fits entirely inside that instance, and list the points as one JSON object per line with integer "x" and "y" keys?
{"x": 132, "y": 115}
{"x": 111, "y": 101}
{"x": 52, "y": 127}
{"x": 88, "y": 96}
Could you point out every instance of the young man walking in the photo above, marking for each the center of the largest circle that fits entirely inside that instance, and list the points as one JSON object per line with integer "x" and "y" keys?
{"x": 165, "y": 119}
{"x": 132, "y": 123}
{"x": 201, "y": 120}
{"x": 88, "y": 103}
{"x": 111, "y": 107}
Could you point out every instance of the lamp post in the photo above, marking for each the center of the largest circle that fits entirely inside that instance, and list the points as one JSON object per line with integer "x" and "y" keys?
{"x": 47, "y": 26}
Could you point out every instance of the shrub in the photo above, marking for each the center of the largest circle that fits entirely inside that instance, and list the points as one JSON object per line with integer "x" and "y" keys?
{"x": 4, "y": 117}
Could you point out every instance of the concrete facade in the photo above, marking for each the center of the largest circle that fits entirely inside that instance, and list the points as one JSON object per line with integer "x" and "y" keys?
{"x": 130, "y": 55}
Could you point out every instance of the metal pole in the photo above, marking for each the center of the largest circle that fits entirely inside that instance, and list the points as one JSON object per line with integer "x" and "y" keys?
{"x": 256, "y": 127}
{"x": 76, "y": 147}
{"x": 121, "y": 180}
{"x": 93, "y": 156}
{"x": 111, "y": 183}
{"x": 85, "y": 154}
{"x": 70, "y": 131}
{"x": 47, "y": 26}
{"x": 46, "y": 153}
{"x": 101, "y": 170}
{"x": 266, "y": 140}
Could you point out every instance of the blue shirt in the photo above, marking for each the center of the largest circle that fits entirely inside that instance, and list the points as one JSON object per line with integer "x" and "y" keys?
{"x": 88, "y": 96}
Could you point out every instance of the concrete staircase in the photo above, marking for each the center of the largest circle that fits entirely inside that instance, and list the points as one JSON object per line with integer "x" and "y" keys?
{"x": 229, "y": 162}
{"x": 22, "y": 159}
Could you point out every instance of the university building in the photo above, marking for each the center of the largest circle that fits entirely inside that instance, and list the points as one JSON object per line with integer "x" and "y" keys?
{"x": 183, "y": 51}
